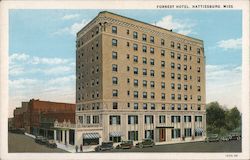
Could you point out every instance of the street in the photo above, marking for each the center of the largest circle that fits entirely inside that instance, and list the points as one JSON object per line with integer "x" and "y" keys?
{"x": 22, "y": 143}
{"x": 230, "y": 146}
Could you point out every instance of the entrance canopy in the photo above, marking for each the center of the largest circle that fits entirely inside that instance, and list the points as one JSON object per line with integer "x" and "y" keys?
{"x": 91, "y": 135}
{"x": 115, "y": 134}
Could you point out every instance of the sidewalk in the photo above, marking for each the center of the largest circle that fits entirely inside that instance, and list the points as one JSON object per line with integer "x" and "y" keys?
{"x": 72, "y": 149}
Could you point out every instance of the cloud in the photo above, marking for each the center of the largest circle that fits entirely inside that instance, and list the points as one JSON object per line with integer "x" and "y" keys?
{"x": 73, "y": 29}
{"x": 230, "y": 44}
{"x": 222, "y": 83}
{"x": 22, "y": 83}
{"x": 70, "y": 16}
{"x": 184, "y": 26}
{"x": 18, "y": 57}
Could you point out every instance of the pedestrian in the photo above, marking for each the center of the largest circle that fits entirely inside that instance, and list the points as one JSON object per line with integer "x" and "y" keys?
{"x": 76, "y": 148}
{"x": 81, "y": 148}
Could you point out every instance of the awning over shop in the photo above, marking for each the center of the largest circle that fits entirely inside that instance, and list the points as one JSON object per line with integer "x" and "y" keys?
{"x": 199, "y": 130}
{"x": 115, "y": 134}
{"x": 91, "y": 135}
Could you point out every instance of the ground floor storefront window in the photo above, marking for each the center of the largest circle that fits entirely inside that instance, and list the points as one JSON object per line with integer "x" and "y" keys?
{"x": 72, "y": 137}
{"x": 115, "y": 139}
{"x": 187, "y": 132}
{"x": 133, "y": 135}
{"x": 87, "y": 142}
{"x": 149, "y": 134}
{"x": 176, "y": 133}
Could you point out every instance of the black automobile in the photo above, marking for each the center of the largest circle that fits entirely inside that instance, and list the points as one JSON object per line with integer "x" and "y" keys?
{"x": 51, "y": 144}
{"x": 40, "y": 140}
{"x": 234, "y": 136}
{"x": 125, "y": 145}
{"x": 145, "y": 143}
{"x": 105, "y": 146}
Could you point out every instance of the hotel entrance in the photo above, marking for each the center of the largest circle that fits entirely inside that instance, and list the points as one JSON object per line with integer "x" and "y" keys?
{"x": 162, "y": 134}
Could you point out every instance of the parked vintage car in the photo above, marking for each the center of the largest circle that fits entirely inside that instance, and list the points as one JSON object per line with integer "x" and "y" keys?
{"x": 40, "y": 140}
{"x": 105, "y": 146}
{"x": 125, "y": 145}
{"x": 234, "y": 136}
{"x": 212, "y": 138}
{"x": 51, "y": 143}
{"x": 145, "y": 143}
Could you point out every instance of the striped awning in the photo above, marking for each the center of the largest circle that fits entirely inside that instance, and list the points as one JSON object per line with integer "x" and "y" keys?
{"x": 91, "y": 135}
{"x": 199, "y": 130}
{"x": 115, "y": 134}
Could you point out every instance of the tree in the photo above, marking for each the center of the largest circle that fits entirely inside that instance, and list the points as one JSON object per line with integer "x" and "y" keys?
{"x": 233, "y": 118}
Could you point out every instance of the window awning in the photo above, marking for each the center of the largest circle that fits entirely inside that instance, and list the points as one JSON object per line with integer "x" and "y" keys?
{"x": 91, "y": 135}
{"x": 115, "y": 134}
{"x": 199, "y": 130}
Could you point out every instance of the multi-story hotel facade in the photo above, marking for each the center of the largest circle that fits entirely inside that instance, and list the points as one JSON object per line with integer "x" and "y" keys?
{"x": 135, "y": 80}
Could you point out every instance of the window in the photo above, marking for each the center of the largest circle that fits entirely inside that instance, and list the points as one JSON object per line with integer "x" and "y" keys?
{"x": 178, "y": 45}
{"x": 162, "y": 74}
{"x": 199, "y": 98}
{"x": 128, "y": 93}
{"x": 127, "y": 56}
{"x": 198, "y": 118}
{"x": 179, "y": 86}
{"x": 114, "y": 55}
{"x": 162, "y": 63}
{"x": 81, "y": 119}
{"x": 144, "y": 71}
{"x": 163, "y": 96}
{"x": 162, "y": 42}
{"x": 144, "y": 37}
{"x": 152, "y": 50}
{"x": 136, "y": 106}
{"x": 172, "y": 65}
{"x": 144, "y": 94}
{"x": 144, "y": 83}
{"x": 199, "y": 79}
{"x": 114, "y": 29}
{"x": 179, "y": 67}
{"x": 128, "y": 105}
{"x": 97, "y": 30}
{"x": 152, "y": 39}
{"x": 144, "y": 60}
{"x": 149, "y": 134}
{"x": 127, "y": 32}
{"x": 178, "y": 56}
{"x": 135, "y": 47}
{"x": 185, "y": 67}
{"x": 185, "y": 97}
{"x": 173, "y": 96}
{"x": 135, "y": 58}
{"x": 172, "y": 54}
{"x": 115, "y": 105}
{"x": 172, "y": 75}
{"x": 115, "y": 93}
{"x": 136, "y": 82}
{"x": 198, "y": 69}
{"x": 152, "y": 62}
{"x": 148, "y": 119}
{"x": 198, "y": 60}
{"x": 128, "y": 68}
{"x": 198, "y": 88}
{"x": 162, "y": 85}
{"x": 162, "y": 52}
{"x": 172, "y": 86}
{"x": 185, "y": 47}
{"x": 172, "y": 106}
{"x": 187, "y": 118}
{"x": 179, "y": 76}
{"x": 176, "y": 133}
{"x": 162, "y": 118}
{"x": 135, "y": 35}
{"x": 187, "y": 132}
{"x": 152, "y": 84}
{"x": 135, "y": 70}
{"x": 199, "y": 107}
{"x": 128, "y": 44}
{"x": 114, "y": 80}
{"x": 185, "y": 77}
{"x": 185, "y": 58}
{"x": 132, "y": 119}
{"x": 114, "y": 67}
{"x": 185, "y": 107}
{"x": 163, "y": 106}
{"x": 114, "y": 119}
{"x": 133, "y": 135}
{"x": 88, "y": 120}
{"x": 185, "y": 87}
{"x": 152, "y": 95}
{"x": 152, "y": 73}
{"x": 128, "y": 80}
{"x": 114, "y": 42}
{"x": 135, "y": 94}
{"x": 145, "y": 106}
{"x": 95, "y": 119}
{"x": 172, "y": 44}
{"x": 179, "y": 96}
{"x": 144, "y": 49}
{"x": 175, "y": 119}
{"x": 198, "y": 50}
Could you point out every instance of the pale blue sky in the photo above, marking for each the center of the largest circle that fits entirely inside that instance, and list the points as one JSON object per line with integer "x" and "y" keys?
{"x": 42, "y": 49}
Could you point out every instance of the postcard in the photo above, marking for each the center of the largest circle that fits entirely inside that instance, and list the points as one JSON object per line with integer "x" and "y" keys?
{"x": 124, "y": 79}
